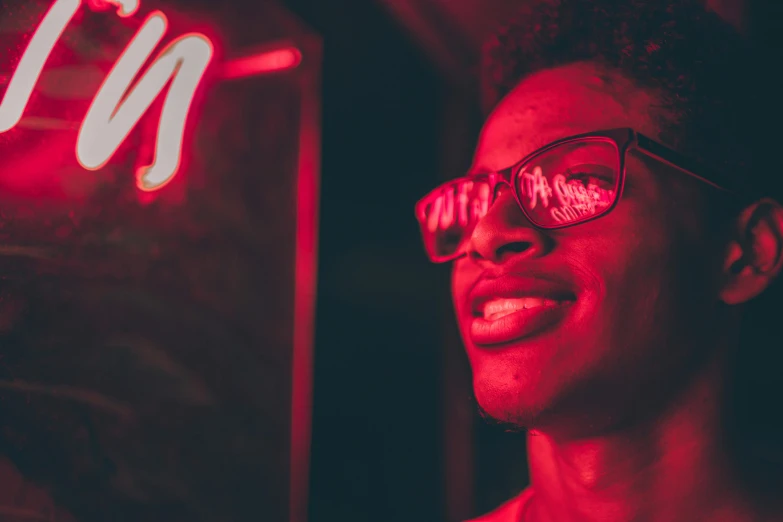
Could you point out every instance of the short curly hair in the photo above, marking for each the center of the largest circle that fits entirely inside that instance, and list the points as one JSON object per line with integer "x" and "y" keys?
{"x": 698, "y": 64}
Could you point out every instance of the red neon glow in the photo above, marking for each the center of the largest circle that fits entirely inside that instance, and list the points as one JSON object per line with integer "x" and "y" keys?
{"x": 266, "y": 62}
{"x": 20, "y": 88}
{"x": 118, "y": 106}
{"x": 125, "y": 8}
{"x": 120, "y": 103}
{"x": 113, "y": 115}
{"x": 304, "y": 305}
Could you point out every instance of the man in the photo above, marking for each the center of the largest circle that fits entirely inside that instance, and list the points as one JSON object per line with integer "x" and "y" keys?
{"x": 605, "y": 243}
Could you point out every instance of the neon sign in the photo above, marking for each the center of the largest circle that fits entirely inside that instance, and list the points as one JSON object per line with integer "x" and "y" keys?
{"x": 270, "y": 61}
{"x": 121, "y": 102}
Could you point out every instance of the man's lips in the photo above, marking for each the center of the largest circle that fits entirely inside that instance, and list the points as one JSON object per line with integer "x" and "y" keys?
{"x": 511, "y": 308}
{"x": 516, "y": 287}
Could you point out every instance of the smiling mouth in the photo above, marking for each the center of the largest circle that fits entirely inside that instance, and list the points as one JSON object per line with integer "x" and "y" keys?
{"x": 497, "y": 308}
{"x": 500, "y": 321}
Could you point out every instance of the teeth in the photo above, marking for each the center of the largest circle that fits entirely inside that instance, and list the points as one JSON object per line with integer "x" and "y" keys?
{"x": 498, "y": 308}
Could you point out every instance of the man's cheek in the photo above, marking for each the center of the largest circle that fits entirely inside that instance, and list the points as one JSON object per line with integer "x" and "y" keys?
{"x": 461, "y": 280}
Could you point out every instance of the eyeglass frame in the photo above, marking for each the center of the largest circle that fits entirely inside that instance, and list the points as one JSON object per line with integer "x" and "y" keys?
{"x": 624, "y": 138}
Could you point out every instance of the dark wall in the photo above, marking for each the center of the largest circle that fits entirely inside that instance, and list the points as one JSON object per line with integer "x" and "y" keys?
{"x": 146, "y": 342}
{"x": 376, "y": 452}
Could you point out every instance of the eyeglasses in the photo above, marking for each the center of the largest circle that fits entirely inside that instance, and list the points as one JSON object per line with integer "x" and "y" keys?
{"x": 569, "y": 182}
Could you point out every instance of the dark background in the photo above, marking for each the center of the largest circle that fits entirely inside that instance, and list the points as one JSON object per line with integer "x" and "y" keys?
{"x": 378, "y": 427}
{"x": 376, "y": 450}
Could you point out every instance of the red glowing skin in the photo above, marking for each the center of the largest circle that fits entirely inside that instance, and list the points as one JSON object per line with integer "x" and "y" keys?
{"x": 620, "y": 399}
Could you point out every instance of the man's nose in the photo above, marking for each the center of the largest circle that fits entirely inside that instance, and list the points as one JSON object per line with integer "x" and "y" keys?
{"x": 505, "y": 232}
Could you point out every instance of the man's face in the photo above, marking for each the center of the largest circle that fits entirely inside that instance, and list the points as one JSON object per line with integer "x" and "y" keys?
{"x": 625, "y": 333}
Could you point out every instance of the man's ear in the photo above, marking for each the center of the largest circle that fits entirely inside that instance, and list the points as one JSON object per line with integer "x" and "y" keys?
{"x": 754, "y": 255}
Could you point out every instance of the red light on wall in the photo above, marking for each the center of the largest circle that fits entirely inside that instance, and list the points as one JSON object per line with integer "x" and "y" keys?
{"x": 125, "y": 8}
{"x": 266, "y": 62}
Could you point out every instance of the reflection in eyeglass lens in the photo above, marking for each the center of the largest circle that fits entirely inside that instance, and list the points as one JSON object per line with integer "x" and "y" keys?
{"x": 569, "y": 183}
{"x": 565, "y": 184}
{"x": 459, "y": 204}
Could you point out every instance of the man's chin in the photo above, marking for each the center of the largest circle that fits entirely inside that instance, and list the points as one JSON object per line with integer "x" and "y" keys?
{"x": 509, "y": 398}
{"x": 507, "y": 410}
{"x": 506, "y": 423}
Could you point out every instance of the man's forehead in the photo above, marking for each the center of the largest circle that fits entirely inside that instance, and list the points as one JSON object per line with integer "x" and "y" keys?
{"x": 555, "y": 104}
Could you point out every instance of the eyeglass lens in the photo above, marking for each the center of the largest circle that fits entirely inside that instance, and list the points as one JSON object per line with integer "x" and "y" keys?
{"x": 563, "y": 185}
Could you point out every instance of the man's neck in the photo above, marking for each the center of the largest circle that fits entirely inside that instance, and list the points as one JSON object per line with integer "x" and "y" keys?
{"x": 670, "y": 469}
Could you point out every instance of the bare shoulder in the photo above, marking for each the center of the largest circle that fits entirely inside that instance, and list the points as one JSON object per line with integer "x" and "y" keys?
{"x": 511, "y": 511}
